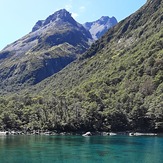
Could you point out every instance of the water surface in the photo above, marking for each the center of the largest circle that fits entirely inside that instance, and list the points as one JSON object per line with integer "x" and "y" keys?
{"x": 78, "y": 149}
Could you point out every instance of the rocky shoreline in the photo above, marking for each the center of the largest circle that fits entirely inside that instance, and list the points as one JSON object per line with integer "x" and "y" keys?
{"x": 78, "y": 133}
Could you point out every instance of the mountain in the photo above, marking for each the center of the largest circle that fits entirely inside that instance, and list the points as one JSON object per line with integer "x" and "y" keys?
{"x": 50, "y": 46}
{"x": 116, "y": 85}
{"x": 99, "y": 27}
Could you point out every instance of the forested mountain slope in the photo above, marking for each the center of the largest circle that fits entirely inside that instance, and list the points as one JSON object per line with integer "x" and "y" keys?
{"x": 117, "y": 85}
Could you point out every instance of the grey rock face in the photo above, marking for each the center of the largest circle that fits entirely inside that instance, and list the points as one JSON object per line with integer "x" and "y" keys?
{"x": 100, "y": 27}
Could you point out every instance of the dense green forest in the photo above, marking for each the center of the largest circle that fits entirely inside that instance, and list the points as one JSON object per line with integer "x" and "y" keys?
{"x": 117, "y": 85}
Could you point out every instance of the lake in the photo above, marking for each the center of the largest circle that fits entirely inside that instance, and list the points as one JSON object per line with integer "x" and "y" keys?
{"x": 78, "y": 149}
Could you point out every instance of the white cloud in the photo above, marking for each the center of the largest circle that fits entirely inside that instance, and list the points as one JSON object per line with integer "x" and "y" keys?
{"x": 82, "y": 8}
{"x": 68, "y": 7}
{"x": 74, "y": 15}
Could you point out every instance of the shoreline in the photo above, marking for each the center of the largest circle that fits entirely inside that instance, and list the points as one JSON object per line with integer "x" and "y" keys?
{"x": 79, "y": 133}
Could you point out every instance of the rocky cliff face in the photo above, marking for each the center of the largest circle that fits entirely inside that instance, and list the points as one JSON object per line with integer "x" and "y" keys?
{"x": 100, "y": 27}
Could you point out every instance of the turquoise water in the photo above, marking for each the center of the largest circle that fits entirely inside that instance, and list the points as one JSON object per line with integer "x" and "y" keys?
{"x": 78, "y": 149}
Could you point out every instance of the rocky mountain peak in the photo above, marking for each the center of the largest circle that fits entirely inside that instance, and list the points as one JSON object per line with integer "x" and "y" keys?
{"x": 107, "y": 20}
{"x": 61, "y": 15}
{"x": 99, "y": 27}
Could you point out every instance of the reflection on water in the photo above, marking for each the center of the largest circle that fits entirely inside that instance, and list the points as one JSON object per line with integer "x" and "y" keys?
{"x": 69, "y": 149}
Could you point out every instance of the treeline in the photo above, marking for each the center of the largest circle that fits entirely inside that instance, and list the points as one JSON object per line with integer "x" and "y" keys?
{"x": 79, "y": 112}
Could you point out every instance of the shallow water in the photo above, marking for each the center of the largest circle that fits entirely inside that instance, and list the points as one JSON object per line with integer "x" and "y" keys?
{"x": 78, "y": 149}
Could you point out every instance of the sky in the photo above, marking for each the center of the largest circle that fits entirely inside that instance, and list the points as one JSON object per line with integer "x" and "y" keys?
{"x": 17, "y": 17}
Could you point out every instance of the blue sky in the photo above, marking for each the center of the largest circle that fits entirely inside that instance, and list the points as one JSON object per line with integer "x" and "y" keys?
{"x": 19, "y": 16}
